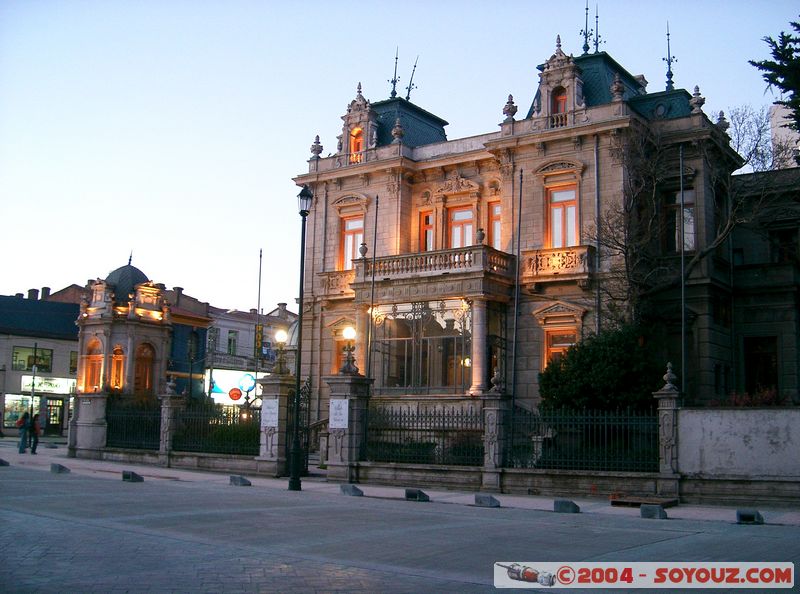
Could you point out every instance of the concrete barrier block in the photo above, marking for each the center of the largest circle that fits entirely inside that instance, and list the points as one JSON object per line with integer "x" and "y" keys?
{"x": 51, "y": 446}
{"x": 351, "y": 490}
{"x": 58, "y": 469}
{"x": 652, "y": 512}
{"x": 483, "y": 500}
{"x": 131, "y": 477}
{"x": 565, "y": 506}
{"x": 240, "y": 481}
{"x": 749, "y": 516}
{"x": 4, "y": 462}
{"x": 416, "y": 495}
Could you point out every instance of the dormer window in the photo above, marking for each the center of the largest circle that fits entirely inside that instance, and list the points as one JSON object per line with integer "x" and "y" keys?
{"x": 558, "y": 108}
{"x": 356, "y": 145}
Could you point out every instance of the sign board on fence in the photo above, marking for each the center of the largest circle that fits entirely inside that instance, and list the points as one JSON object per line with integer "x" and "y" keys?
{"x": 338, "y": 414}
{"x": 269, "y": 413}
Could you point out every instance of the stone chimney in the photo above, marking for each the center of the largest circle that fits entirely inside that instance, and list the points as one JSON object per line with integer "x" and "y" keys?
{"x": 33, "y": 294}
{"x": 19, "y": 295}
{"x": 178, "y": 293}
{"x": 45, "y": 293}
{"x": 253, "y": 310}
{"x": 282, "y": 311}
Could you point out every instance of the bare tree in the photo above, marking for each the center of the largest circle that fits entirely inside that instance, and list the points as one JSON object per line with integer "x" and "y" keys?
{"x": 631, "y": 233}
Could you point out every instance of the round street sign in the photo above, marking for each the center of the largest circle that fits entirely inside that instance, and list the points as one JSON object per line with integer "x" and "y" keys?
{"x": 235, "y": 393}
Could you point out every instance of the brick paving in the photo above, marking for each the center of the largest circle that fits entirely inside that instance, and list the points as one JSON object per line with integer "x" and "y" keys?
{"x": 181, "y": 531}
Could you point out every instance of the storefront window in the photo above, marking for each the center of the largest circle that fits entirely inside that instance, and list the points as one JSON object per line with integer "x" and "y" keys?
{"x": 16, "y": 406}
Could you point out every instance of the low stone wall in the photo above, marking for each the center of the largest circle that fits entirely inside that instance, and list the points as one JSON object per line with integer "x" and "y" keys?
{"x": 420, "y": 475}
{"x": 186, "y": 460}
{"x": 740, "y": 492}
{"x": 743, "y": 443}
{"x": 573, "y": 483}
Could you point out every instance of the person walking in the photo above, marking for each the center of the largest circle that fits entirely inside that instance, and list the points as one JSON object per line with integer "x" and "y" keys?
{"x": 23, "y": 423}
{"x": 35, "y": 430}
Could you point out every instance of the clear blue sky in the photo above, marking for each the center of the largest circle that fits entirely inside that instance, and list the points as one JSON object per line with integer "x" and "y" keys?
{"x": 172, "y": 128}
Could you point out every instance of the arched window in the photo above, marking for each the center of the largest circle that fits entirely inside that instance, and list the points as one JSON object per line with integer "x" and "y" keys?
{"x": 143, "y": 369}
{"x": 356, "y": 145}
{"x": 117, "y": 368}
{"x": 559, "y": 100}
{"x": 558, "y": 107}
{"x": 93, "y": 366}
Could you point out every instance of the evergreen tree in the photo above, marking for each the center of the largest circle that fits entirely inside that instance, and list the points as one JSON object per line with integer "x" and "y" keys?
{"x": 783, "y": 70}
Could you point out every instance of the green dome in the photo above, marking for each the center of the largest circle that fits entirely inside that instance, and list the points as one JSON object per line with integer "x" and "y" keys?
{"x": 124, "y": 279}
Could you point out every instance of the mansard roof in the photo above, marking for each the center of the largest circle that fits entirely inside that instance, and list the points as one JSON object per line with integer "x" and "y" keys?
{"x": 419, "y": 126}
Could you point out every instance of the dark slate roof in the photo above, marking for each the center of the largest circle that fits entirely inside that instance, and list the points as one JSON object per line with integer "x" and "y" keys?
{"x": 39, "y": 319}
{"x": 666, "y": 105}
{"x": 124, "y": 279}
{"x": 420, "y": 126}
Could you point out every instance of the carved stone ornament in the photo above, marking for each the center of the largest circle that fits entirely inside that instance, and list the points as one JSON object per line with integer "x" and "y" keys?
{"x": 617, "y": 88}
{"x": 457, "y": 185}
{"x": 398, "y": 132}
{"x": 316, "y": 148}
{"x": 351, "y": 200}
{"x": 510, "y": 109}
{"x": 559, "y": 312}
{"x": 697, "y": 101}
{"x": 359, "y": 103}
{"x": 722, "y": 123}
{"x": 559, "y": 166}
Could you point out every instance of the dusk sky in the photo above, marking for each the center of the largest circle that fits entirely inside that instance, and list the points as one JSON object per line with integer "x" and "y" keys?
{"x": 172, "y": 128}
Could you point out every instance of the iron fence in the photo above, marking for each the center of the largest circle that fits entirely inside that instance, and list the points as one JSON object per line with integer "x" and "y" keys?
{"x": 441, "y": 435}
{"x": 584, "y": 440}
{"x": 213, "y": 429}
{"x": 133, "y": 427}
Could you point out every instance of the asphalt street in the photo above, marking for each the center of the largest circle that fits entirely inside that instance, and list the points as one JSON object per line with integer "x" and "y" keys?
{"x": 183, "y": 531}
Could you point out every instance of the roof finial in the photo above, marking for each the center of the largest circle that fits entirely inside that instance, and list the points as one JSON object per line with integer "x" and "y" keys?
{"x": 586, "y": 32}
{"x": 597, "y": 37}
{"x": 130, "y": 258}
{"x": 394, "y": 79}
{"x": 358, "y": 89}
{"x": 669, "y": 60}
{"x": 558, "y": 42}
{"x": 411, "y": 86}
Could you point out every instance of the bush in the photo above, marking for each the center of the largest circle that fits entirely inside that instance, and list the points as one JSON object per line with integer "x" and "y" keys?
{"x": 614, "y": 370}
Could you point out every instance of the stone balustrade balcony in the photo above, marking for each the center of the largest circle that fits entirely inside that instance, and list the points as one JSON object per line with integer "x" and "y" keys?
{"x": 575, "y": 263}
{"x": 475, "y": 258}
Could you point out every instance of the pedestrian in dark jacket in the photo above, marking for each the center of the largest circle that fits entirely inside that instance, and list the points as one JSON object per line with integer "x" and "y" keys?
{"x": 35, "y": 430}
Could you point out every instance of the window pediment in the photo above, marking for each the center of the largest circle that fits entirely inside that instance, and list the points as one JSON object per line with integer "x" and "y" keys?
{"x": 458, "y": 185}
{"x": 560, "y": 313}
{"x": 560, "y": 167}
{"x": 352, "y": 203}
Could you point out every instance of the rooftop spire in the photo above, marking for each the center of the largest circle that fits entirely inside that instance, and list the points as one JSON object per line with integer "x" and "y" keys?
{"x": 597, "y": 37}
{"x": 669, "y": 60}
{"x": 411, "y": 86}
{"x": 586, "y": 32}
{"x": 394, "y": 79}
{"x": 130, "y": 258}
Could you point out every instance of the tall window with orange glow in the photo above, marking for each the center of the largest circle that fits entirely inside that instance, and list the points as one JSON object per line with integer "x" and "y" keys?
{"x": 426, "y": 231}
{"x": 94, "y": 367}
{"x": 495, "y": 239}
{"x": 117, "y": 368}
{"x": 352, "y": 237}
{"x": 356, "y": 145}
{"x": 563, "y": 217}
{"x": 557, "y": 341}
{"x": 460, "y": 227}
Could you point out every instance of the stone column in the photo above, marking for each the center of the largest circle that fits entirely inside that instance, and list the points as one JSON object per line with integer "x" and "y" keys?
{"x": 362, "y": 331}
{"x": 72, "y": 431}
{"x": 171, "y": 403}
{"x": 276, "y": 390}
{"x": 496, "y": 414}
{"x": 90, "y": 425}
{"x": 479, "y": 334}
{"x": 347, "y": 425}
{"x": 668, "y": 398}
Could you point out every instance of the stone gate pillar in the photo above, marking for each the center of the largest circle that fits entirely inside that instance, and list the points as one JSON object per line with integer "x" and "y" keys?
{"x": 90, "y": 426}
{"x": 496, "y": 416}
{"x": 276, "y": 390}
{"x": 347, "y": 425}
{"x": 171, "y": 403}
{"x": 668, "y": 398}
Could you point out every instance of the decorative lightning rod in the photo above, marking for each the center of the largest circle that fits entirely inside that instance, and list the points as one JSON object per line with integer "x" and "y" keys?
{"x": 394, "y": 79}
{"x": 411, "y": 86}
{"x": 586, "y": 32}
{"x": 669, "y": 60}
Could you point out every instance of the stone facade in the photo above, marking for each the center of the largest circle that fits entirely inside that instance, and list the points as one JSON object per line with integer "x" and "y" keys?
{"x": 464, "y": 260}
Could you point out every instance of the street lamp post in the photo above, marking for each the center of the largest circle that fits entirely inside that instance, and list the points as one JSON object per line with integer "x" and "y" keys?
{"x": 304, "y": 199}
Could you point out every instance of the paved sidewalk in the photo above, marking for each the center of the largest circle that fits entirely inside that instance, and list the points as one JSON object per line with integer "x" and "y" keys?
{"x": 597, "y": 505}
{"x": 183, "y": 531}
